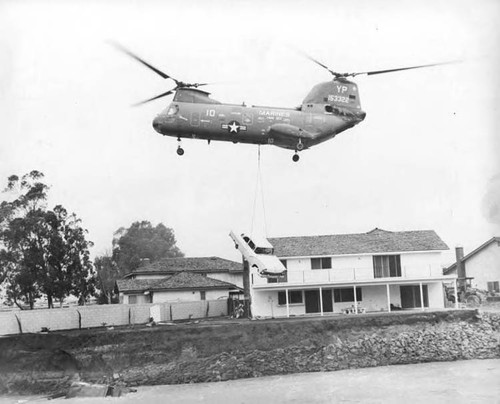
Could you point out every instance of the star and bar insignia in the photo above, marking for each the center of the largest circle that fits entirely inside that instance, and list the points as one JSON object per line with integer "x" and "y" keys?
{"x": 234, "y": 127}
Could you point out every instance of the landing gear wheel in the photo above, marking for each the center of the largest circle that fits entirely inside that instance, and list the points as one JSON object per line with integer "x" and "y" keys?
{"x": 295, "y": 157}
{"x": 180, "y": 151}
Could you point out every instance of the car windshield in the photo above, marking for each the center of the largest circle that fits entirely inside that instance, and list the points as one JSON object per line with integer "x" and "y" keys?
{"x": 264, "y": 250}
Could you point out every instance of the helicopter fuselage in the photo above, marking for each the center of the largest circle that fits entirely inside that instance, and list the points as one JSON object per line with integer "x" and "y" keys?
{"x": 192, "y": 114}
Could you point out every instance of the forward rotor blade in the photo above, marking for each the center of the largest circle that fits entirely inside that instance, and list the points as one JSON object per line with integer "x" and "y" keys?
{"x": 154, "y": 98}
{"x": 371, "y": 73}
{"x": 134, "y": 56}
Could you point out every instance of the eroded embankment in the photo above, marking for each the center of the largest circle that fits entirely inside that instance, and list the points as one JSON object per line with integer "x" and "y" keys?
{"x": 39, "y": 363}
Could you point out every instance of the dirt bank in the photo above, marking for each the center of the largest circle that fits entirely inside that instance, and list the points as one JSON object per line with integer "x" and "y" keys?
{"x": 183, "y": 353}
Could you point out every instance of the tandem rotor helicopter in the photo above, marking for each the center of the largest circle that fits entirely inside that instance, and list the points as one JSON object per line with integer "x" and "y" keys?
{"x": 330, "y": 108}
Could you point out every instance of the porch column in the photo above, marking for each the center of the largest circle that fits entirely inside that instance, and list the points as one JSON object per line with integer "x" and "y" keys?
{"x": 321, "y": 299}
{"x": 421, "y": 297}
{"x": 355, "y": 301}
{"x": 388, "y": 297}
{"x": 287, "y": 305}
{"x": 456, "y": 293}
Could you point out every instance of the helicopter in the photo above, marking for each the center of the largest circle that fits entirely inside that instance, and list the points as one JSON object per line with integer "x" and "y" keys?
{"x": 328, "y": 109}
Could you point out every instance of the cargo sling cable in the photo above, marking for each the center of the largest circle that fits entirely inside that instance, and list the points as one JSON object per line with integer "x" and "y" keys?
{"x": 257, "y": 184}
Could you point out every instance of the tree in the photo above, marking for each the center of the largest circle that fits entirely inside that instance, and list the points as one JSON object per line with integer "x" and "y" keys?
{"x": 41, "y": 251}
{"x": 107, "y": 274}
{"x": 142, "y": 240}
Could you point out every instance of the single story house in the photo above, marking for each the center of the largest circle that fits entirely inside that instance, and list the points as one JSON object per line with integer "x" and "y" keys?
{"x": 182, "y": 279}
{"x": 369, "y": 272}
{"x": 181, "y": 287}
{"x": 481, "y": 264}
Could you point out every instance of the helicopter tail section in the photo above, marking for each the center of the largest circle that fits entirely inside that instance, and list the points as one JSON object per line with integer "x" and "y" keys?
{"x": 337, "y": 94}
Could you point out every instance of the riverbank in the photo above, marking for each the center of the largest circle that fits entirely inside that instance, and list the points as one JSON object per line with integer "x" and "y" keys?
{"x": 196, "y": 353}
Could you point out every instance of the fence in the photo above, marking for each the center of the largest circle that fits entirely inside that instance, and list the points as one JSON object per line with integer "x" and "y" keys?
{"x": 78, "y": 317}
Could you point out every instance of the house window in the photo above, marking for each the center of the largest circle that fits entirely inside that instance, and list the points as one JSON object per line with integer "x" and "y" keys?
{"x": 493, "y": 286}
{"x": 132, "y": 299}
{"x": 203, "y": 295}
{"x": 321, "y": 263}
{"x": 386, "y": 266}
{"x": 148, "y": 298}
{"x": 294, "y": 297}
{"x": 347, "y": 295}
{"x": 284, "y": 263}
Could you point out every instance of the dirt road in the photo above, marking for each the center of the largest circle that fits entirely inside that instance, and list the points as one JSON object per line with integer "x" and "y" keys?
{"x": 474, "y": 381}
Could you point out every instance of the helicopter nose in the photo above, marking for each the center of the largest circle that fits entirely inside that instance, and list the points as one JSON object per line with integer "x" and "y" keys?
{"x": 157, "y": 122}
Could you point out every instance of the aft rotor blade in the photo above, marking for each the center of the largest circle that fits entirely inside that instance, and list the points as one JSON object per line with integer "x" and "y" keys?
{"x": 318, "y": 63}
{"x": 134, "y": 56}
{"x": 370, "y": 73}
{"x": 154, "y": 98}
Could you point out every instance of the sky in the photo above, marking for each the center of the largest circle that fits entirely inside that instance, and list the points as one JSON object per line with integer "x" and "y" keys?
{"x": 426, "y": 156}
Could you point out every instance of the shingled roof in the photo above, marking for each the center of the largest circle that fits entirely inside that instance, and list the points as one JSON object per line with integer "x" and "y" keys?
{"x": 180, "y": 281}
{"x": 375, "y": 241}
{"x": 453, "y": 266}
{"x": 203, "y": 265}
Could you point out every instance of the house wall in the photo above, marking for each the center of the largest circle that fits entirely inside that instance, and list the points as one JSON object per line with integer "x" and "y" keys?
{"x": 421, "y": 264}
{"x": 436, "y": 295}
{"x": 141, "y": 299}
{"x": 189, "y": 296}
{"x": 374, "y": 299}
{"x": 265, "y": 304}
{"x": 413, "y": 265}
{"x": 484, "y": 266}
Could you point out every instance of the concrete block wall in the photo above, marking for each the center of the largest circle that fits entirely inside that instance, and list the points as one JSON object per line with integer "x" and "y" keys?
{"x": 8, "y": 323}
{"x": 217, "y": 308}
{"x": 188, "y": 310}
{"x": 110, "y": 315}
{"x": 97, "y": 316}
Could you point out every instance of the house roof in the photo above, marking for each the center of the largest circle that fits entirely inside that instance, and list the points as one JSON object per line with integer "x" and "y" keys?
{"x": 180, "y": 281}
{"x": 375, "y": 241}
{"x": 203, "y": 265}
{"x": 472, "y": 253}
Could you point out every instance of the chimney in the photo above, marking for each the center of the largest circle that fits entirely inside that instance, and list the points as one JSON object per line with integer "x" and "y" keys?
{"x": 459, "y": 254}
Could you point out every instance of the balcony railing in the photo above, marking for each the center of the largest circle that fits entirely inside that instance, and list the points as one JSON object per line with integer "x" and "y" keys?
{"x": 348, "y": 274}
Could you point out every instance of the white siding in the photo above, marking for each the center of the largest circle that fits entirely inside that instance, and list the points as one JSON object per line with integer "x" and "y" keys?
{"x": 484, "y": 266}
{"x": 180, "y": 296}
{"x": 374, "y": 299}
{"x": 217, "y": 294}
{"x": 436, "y": 295}
{"x": 422, "y": 264}
{"x": 360, "y": 267}
{"x": 189, "y": 295}
{"x": 265, "y": 304}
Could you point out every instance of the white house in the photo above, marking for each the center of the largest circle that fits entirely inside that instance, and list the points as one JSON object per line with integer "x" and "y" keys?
{"x": 368, "y": 272}
{"x": 482, "y": 265}
{"x": 181, "y": 279}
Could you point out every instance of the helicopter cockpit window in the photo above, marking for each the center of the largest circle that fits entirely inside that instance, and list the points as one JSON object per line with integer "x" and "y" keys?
{"x": 329, "y": 109}
{"x": 194, "y": 96}
{"x": 174, "y": 109}
{"x": 183, "y": 96}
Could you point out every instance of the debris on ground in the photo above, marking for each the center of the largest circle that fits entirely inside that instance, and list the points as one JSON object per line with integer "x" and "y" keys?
{"x": 83, "y": 389}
